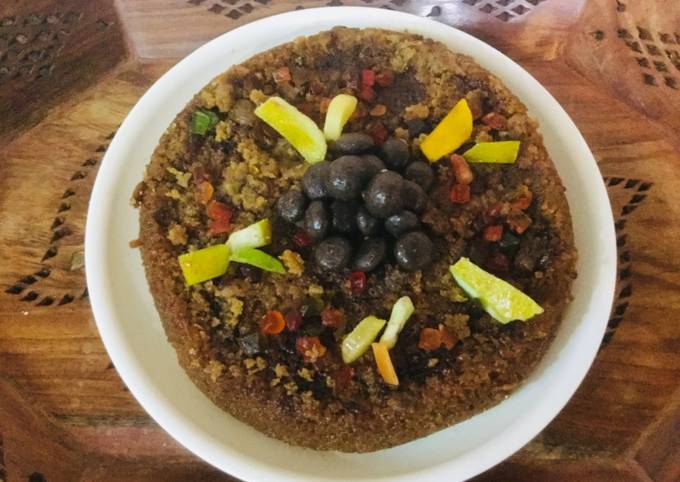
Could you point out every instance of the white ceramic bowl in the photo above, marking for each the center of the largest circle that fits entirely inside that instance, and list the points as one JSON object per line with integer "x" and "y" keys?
{"x": 134, "y": 338}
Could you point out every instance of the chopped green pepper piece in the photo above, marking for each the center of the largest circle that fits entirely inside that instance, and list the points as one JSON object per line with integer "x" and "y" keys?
{"x": 202, "y": 121}
{"x": 204, "y": 264}
{"x": 501, "y": 152}
{"x": 259, "y": 259}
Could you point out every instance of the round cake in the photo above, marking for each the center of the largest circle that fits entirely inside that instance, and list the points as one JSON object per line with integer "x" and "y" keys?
{"x": 276, "y": 253}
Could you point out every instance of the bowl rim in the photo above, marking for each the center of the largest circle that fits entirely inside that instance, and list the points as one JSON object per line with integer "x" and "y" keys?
{"x": 160, "y": 406}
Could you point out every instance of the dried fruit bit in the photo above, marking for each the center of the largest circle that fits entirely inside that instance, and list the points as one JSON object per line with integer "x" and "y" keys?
{"x": 310, "y": 348}
{"x": 259, "y": 259}
{"x": 301, "y": 239}
{"x": 282, "y": 74}
{"x": 401, "y": 312}
{"x": 357, "y": 282}
{"x": 339, "y": 111}
{"x": 493, "y": 233}
{"x": 501, "y": 152}
{"x": 272, "y": 323}
{"x": 518, "y": 222}
{"x": 367, "y": 81}
{"x": 254, "y": 236}
{"x": 385, "y": 78}
{"x": 298, "y": 129}
{"x": 342, "y": 376}
{"x": 494, "y": 120}
{"x": 204, "y": 264}
{"x": 461, "y": 169}
{"x": 499, "y": 298}
{"x": 293, "y": 320}
{"x": 384, "y": 364}
{"x": 220, "y": 218}
{"x": 332, "y": 318}
{"x": 357, "y": 342}
{"x": 430, "y": 339}
{"x": 204, "y": 192}
{"x": 378, "y": 111}
{"x": 448, "y": 340}
{"x": 202, "y": 121}
{"x": 523, "y": 201}
{"x": 497, "y": 263}
{"x": 450, "y": 133}
{"x": 378, "y": 132}
{"x": 460, "y": 193}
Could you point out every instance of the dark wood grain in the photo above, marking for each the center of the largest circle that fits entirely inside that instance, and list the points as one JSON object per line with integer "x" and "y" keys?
{"x": 67, "y": 415}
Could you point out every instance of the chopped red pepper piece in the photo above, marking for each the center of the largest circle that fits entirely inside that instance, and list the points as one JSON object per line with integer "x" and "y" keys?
{"x": 282, "y": 74}
{"x": 204, "y": 192}
{"x": 519, "y": 222}
{"x": 523, "y": 201}
{"x": 493, "y": 233}
{"x": 332, "y": 317}
{"x": 378, "y": 132}
{"x": 367, "y": 78}
{"x": 272, "y": 323}
{"x": 385, "y": 78}
{"x": 310, "y": 348}
{"x": 461, "y": 169}
{"x": 460, "y": 193}
{"x": 448, "y": 340}
{"x": 357, "y": 282}
{"x": 293, "y": 320}
{"x": 343, "y": 376}
{"x": 494, "y": 120}
{"x": 301, "y": 239}
{"x": 220, "y": 217}
{"x": 430, "y": 339}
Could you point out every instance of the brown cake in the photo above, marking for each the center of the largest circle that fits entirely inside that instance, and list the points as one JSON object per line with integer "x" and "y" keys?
{"x": 452, "y": 358}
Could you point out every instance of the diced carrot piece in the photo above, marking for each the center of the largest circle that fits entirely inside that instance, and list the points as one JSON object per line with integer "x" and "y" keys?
{"x": 384, "y": 364}
{"x": 523, "y": 201}
{"x": 220, "y": 217}
{"x": 272, "y": 323}
{"x": 493, "y": 233}
{"x": 519, "y": 222}
{"x": 430, "y": 339}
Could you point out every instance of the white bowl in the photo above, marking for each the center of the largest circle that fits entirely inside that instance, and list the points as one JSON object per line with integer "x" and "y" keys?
{"x": 133, "y": 335}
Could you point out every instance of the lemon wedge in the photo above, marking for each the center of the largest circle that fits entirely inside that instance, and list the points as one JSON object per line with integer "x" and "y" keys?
{"x": 339, "y": 111}
{"x": 204, "y": 264}
{"x": 450, "y": 133}
{"x": 298, "y": 129}
{"x": 499, "y": 298}
{"x": 501, "y": 152}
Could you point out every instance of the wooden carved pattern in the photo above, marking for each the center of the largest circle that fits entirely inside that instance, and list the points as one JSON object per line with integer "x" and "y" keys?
{"x": 29, "y": 45}
{"x": 657, "y": 54}
{"x": 504, "y": 10}
{"x": 28, "y": 287}
{"x": 634, "y": 191}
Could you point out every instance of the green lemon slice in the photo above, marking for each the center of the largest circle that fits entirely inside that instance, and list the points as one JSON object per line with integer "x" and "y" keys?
{"x": 499, "y": 298}
{"x": 259, "y": 259}
{"x": 359, "y": 340}
{"x": 254, "y": 236}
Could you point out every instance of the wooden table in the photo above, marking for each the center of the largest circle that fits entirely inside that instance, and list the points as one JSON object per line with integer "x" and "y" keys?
{"x": 70, "y": 70}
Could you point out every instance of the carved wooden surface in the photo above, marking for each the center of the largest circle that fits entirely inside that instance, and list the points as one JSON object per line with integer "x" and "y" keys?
{"x": 66, "y": 415}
